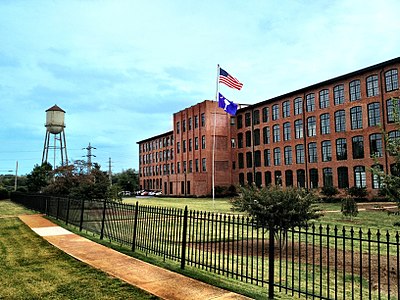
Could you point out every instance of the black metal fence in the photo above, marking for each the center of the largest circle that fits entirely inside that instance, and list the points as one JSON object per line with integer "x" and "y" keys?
{"x": 315, "y": 262}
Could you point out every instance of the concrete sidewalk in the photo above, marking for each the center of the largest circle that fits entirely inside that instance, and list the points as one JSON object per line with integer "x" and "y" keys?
{"x": 157, "y": 281}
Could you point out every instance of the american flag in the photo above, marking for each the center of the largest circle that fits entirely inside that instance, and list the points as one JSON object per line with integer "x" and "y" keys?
{"x": 229, "y": 80}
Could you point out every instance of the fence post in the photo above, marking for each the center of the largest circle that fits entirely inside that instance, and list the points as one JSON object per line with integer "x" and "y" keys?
{"x": 103, "y": 219}
{"x": 81, "y": 219}
{"x": 271, "y": 263}
{"x": 135, "y": 226}
{"x": 184, "y": 233}
{"x": 58, "y": 207}
{"x": 67, "y": 216}
{"x": 47, "y": 205}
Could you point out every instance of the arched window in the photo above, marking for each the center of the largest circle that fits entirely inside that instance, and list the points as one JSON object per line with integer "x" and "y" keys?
{"x": 298, "y": 106}
{"x": 359, "y": 176}
{"x": 298, "y": 129}
{"x": 325, "y": 124}
{"x": 288, "y": 178}
{"x": 276, "y": 133}
{"x": 343, "y": 177}
{"x": 311, "y": 126}
{"x": 391, "y": 80}
{"x": 328, "y": 177}
{"x": 372, "y": 86}
{"x": 301, "y": 178}
{"x": 324, "y": 98}
{"x": 340, "y": 121}
{"x": 338, "y": 94}
{"x": 286, "y": 109}
{"x": 288, "y": 155}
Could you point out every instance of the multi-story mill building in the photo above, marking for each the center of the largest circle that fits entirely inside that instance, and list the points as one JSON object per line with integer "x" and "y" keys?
{"x": 327, "y": 134}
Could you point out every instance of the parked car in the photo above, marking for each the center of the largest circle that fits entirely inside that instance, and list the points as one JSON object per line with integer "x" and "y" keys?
{"x": 125, "y": 193}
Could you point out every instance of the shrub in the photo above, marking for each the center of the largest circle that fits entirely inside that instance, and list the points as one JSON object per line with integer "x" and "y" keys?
{"x": 4, "y": 194}
{"x": 349, "y": 207}
{"x": 357, "y": 192}
{"x": 329, "y": 191}
{"x": 223, "y": 191}
{"x": 22, "y": 189}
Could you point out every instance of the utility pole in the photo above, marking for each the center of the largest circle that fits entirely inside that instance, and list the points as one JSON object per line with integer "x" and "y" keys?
{"x": 109, "y": 170}
{"x": 89, "y": 157}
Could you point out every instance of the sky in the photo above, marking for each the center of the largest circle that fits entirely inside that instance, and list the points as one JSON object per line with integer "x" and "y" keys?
{"x": 120, "y": 69}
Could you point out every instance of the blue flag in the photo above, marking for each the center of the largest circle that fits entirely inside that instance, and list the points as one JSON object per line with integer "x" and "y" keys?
{"x": 227, "y": 105}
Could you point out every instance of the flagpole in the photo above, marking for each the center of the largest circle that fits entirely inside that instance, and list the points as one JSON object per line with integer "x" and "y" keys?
{"x": 214, "y": 138}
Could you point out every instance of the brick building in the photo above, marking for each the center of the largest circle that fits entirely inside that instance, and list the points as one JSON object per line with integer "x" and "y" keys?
{"x": 329, "y": 133}
{"x": 185, "y": 168}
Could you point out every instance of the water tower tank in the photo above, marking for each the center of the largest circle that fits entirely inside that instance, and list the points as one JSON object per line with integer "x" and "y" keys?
{"x": 55, "y": 119}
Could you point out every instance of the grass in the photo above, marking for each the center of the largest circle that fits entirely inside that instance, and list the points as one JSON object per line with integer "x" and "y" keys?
{"x": 378, "y": 219}
{"x": 8, "y": 209}
{"x": 33, "y": 269}
{"x": 365, "y": 219}
{"x": 257, "y": 292}
{"x": 234, "y": 285}
{"x": 219, "y": 205}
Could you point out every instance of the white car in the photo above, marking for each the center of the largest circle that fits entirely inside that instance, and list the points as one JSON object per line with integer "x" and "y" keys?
{"x": 125, "y": 193}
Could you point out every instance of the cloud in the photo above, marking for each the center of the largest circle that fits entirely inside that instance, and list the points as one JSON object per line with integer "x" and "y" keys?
{"x": 121, "y": 71}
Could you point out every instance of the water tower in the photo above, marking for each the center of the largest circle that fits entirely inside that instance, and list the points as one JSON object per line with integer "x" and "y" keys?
{"x": 55, "y": 134}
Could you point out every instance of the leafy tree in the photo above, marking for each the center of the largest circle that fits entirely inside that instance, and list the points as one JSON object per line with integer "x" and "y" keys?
{"x": 114, "y": 193}
{"x": 128, "y": 180}
{"x": 349, "y": 207}
{"x": 275, "y": 207}
{"x": 72, "y": 181}
{"x": 39, "y": 178}
{"x": 391, "y": 182}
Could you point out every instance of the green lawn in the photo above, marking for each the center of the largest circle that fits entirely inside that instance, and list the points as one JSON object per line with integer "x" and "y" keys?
{"x": 8, "y": 209}
{"x": 219, "y": 205}
{"x": 366, "y": 219}
{"x": 331, "y": 211}
{"x": 31, "y": 268}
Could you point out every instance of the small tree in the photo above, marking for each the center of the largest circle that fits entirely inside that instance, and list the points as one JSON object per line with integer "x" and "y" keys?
{"x": 114, "y": 193}
{"x": 349, "y": 207}
{"x": 277, "y": 208}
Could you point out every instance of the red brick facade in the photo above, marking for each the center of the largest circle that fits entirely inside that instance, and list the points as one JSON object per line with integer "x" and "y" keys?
{"x": 188, "y": 170}
{"x": 324, "y": 134}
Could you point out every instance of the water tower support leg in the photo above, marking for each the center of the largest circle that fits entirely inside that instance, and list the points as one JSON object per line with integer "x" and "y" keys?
{"x": 46, "y": 147}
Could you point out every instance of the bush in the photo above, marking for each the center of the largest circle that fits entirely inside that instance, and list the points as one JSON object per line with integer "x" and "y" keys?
{"x": 4, "y": 194}
{"x": 22, "y": 189}
{"x": 329, "y": 191}
{"x": 357, "y": 192}
{"x": 349, "y": 207}
{"x": 223, "y": 191}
